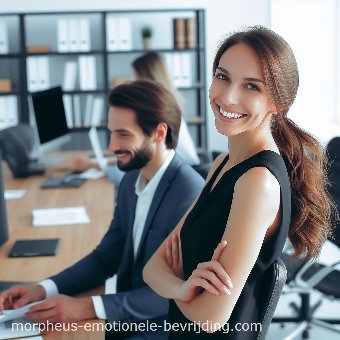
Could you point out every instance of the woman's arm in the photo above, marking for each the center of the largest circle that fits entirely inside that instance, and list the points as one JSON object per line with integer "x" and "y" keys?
{"x": 157, "y": 273}
{"x": 254, "y": 213}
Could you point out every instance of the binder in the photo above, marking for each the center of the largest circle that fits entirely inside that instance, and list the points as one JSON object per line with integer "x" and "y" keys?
{"x": 83, "y": 73}
{"x": 67, "y": 99}
{"x": 125, "y": 37}
{"x": 43, "y": 73}
{"x": 2, "y": 113}
{"x": 32, "y": 74}
{"x": 186, "y": 70}
{"x": 63, "y": 35}
{"x": 88, "y": 110}
{"x": 91, "y": 69}
{"x": 4, "y": 46}
{"x": 74, "y": 41}
{"x": 12, "y": 111}
{"x": 98, "y": 106}
{"x": 112, "y": 38}
{"x": 77, "y": 111}
{"x": 84, "y": 35}
{"x": 190, "y": 33}
{"x": 70, "y": 76}
{"x": 179, "y": 32}
{"x": 177, "y": 69}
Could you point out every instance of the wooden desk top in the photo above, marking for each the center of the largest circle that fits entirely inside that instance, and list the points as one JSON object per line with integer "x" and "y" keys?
{"x": 76, "y": 240}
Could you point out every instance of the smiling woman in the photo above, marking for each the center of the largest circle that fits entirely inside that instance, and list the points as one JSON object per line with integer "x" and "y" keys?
{"x": 271, "y": 185}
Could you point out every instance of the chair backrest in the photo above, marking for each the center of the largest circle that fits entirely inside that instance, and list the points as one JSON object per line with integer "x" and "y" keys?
{"x": 278, "y": 274}
{"x": 333, "y": 151}
{"x": 16, "y": 143}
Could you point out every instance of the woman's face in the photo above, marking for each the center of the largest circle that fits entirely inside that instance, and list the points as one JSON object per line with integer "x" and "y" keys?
{"x": 238, "y": 95}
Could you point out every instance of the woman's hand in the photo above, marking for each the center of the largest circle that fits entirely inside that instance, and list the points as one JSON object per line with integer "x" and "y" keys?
{"x": 210, "y": 276}
{"x": 173, "y": 253}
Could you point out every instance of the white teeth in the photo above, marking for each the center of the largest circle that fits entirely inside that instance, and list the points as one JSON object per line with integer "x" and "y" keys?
{"x": 229, "y": 114}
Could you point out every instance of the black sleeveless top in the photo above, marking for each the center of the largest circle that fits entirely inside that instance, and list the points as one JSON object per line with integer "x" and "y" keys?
{"x": 203, "y": 230}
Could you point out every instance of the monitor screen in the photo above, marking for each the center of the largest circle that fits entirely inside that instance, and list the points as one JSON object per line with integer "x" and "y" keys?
{"x": 3, "y": 215}
{"x": 50, "y": 115}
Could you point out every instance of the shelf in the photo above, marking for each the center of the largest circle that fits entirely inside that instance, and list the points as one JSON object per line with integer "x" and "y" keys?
{"x": 160, "y": 50}
{"x": 42, "y": 35}
{"x": 9, "y": 55}
{"x": 76, "y": 53}
{"x": 194, "y": 120}
{"x": 12, "y": 93}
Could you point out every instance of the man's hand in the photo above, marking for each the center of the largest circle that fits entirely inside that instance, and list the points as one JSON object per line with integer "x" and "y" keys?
{"x": 62, "y": 309}
{"x": 19, "y": 296}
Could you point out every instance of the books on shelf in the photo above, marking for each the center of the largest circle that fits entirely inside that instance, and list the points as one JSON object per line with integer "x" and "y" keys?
{"x": 118, "y": 34}
{"x": 181, "y": 65}
{"x": 8, "y": 111}
{"x": 38, "y": 73}
{"x": 97, "y": 111}
{"x": 184, "y": 33}
{"x": 4, "y": 46}
{"x": 73, "y": 35}
{"x": 5, "y": 85}
{"x": 38, "y": 49}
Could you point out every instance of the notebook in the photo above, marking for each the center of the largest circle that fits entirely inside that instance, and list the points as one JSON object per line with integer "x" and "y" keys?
{"x": 37, "y": 247}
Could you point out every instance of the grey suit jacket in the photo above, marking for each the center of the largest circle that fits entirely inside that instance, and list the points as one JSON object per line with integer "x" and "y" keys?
{"x": 134, "y": 300}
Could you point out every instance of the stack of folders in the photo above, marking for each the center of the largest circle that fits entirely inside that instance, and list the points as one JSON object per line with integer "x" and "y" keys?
{"x": 38, "y": 73}
{"x": 118, "y": 34}
{"x": 8, "y": 111}
{"x": 181, "y": 65}
{"x": 73, "y": 35}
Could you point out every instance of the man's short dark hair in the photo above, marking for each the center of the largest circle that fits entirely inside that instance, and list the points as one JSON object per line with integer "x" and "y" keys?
{"x": 153, "y": 104}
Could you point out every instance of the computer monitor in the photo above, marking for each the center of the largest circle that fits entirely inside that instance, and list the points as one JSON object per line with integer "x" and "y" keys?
{"x": 49, "y": 119}
{"x": 3, "y": 215}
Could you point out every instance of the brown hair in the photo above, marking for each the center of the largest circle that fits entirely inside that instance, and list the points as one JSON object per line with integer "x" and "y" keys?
{"x": 152, "y": 66}
{"x": 153, "y": 105}
{"x": 312, "y": 210}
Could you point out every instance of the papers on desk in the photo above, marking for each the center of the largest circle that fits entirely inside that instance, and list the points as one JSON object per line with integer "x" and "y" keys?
{"x": 92, "y": 174}
{"x": 13, "y": 323}
{"x": 59, "y": 216}
{"x": 14, "y": 194}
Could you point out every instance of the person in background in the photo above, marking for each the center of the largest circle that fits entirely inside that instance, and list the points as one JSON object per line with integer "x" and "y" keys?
{"x": 158, "y": 187}
{"x": 152, "y": 66}
{"x": 271, "y": 184}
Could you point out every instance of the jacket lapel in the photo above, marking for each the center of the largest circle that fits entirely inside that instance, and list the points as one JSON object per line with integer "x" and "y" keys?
{"x": 158, "y": 197}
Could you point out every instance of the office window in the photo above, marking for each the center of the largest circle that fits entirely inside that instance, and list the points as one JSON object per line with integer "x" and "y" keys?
{"x": 310, "y": 27}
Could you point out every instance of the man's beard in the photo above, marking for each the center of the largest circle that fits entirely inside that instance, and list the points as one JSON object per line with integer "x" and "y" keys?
{"x": 139, "y": 158}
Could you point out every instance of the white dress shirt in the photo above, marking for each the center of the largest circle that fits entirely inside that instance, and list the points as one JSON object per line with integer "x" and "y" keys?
{"x": 145, "y": 192}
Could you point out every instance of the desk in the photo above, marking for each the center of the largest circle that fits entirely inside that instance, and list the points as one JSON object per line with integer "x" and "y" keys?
{"x": 76, "y": 240}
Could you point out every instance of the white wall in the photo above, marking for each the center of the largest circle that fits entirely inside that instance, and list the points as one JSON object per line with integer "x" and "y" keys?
{"x": 222, "y": 16}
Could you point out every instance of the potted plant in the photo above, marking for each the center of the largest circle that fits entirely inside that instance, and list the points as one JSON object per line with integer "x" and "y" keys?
{"x": 147, "y": 36}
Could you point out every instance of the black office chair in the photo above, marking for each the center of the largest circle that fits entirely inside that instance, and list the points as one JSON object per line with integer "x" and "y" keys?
{"x": 302, "y": 278}
{"x": 333, "y": 151}
{"x": 16, "y": 144}
{"x": 277, "y": 272}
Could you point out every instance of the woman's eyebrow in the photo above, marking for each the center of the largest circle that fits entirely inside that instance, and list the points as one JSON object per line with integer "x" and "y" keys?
{"x": 246, "y": 78}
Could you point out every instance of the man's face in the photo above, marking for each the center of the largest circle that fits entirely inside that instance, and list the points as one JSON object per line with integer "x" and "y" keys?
{"x": 128, "y": 142}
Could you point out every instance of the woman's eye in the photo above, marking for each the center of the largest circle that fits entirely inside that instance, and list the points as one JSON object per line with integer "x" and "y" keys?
{"x": 251, "y": 86}
{"x": 221, "y": 76}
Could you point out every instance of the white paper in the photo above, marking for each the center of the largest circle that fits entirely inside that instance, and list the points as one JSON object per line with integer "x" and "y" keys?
{"x": 92, "y": 174}
{"x": 9, "y": 331}
{"x": 12, "y": 314}
{"x": 59, "y": 216}
{"x": 14, "y": 194}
